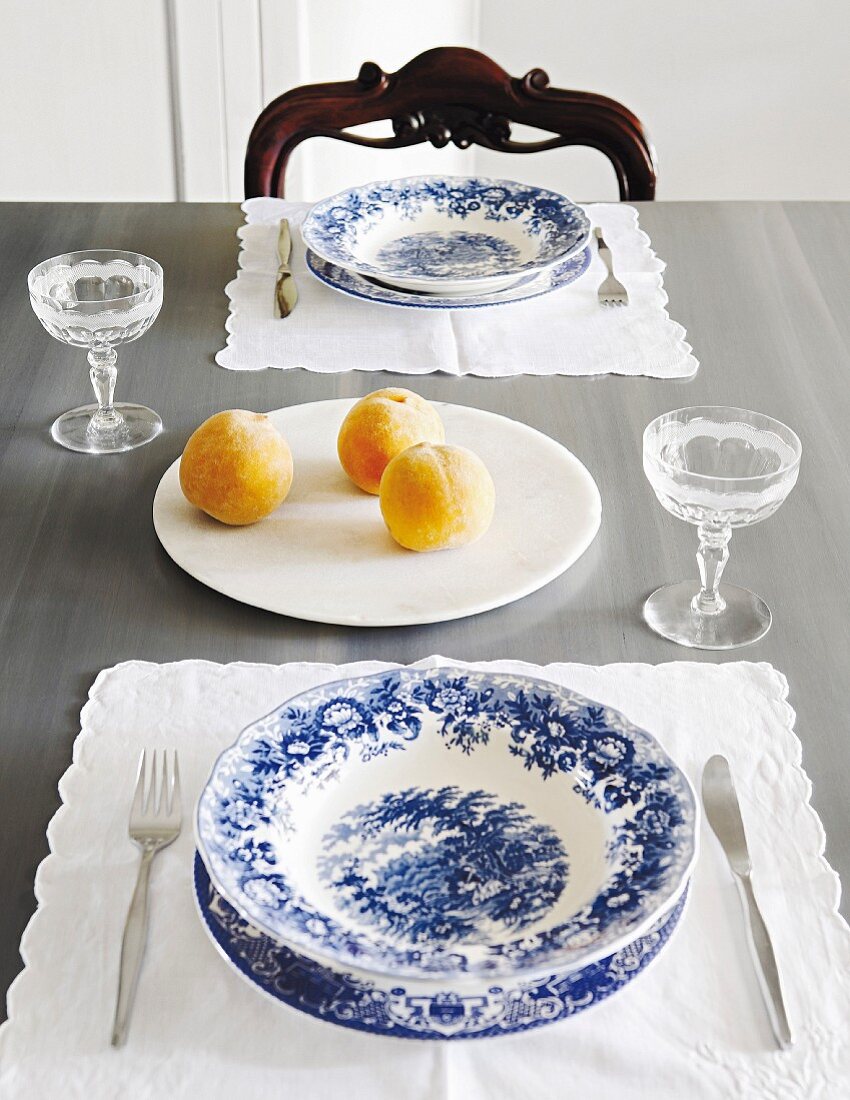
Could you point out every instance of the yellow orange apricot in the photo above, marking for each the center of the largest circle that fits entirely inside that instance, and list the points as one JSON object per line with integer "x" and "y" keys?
{"x": 380, "y": 426}
{"x": 236, "y": 467}
{"x": 435, "y": 497}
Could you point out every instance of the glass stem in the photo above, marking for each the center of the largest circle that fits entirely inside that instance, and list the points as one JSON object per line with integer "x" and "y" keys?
{"x": 107, "y": 421}
{"x": 712, "y": 556}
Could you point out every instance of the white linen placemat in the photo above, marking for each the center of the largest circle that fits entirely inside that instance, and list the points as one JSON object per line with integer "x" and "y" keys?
{"x": 566, "y": 332}
{"x": 692, "y": 1027}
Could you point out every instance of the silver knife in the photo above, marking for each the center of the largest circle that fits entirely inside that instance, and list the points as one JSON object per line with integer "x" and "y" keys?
{"x": 724, "y": 816}
{"x": 285, "y": 290}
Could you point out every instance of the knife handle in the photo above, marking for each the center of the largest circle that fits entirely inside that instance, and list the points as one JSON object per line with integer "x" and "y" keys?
{"x": 764, "y": 959}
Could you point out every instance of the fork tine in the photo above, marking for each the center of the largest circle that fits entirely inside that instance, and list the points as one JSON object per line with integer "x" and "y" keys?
{"x": 162, "y": 807}
{"x": 139, "y": 793}
{"x": 150, "y": 801}
{"x": 175, "y": 786}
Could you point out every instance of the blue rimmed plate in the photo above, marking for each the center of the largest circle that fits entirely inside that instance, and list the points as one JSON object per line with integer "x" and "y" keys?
{"x": 446, "y": 234}
{"x": 532, "y": 286}
{"x": 419, "y": 1010}
{"x": 448, "y": 822}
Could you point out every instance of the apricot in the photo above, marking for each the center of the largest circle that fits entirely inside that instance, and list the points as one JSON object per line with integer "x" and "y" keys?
{"x": 236, "y": 467}
{"x": 437, "y": 497}
{"x": 380, "y": 426}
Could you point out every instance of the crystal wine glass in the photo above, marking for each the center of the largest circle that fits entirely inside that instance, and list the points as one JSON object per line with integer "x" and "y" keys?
{"x": 97, "y": 300}
{"x": 717, "y": 468}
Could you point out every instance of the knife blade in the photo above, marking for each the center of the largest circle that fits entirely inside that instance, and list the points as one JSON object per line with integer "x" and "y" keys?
{"x": 724, "y": 815}
{"x": 285, "y": 290}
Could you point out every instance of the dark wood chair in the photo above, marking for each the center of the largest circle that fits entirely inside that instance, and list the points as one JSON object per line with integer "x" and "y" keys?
{"x": 449, "y": 94}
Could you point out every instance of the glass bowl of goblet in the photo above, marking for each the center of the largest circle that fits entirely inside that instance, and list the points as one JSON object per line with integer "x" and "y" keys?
{"x": 718, "y": 468}
{"x": 99, "y": 299}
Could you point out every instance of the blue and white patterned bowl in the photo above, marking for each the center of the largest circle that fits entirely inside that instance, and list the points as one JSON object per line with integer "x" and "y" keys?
{"x": 447, "y": 822}
{"x": 420, "y": 1010}
{"x": 446, "y": 234}
{"x": 531, "y": 286}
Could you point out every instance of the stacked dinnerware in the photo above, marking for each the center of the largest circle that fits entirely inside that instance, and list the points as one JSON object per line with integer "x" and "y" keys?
{"x": 443, "y": 853}
{"x": 446, "y": 241}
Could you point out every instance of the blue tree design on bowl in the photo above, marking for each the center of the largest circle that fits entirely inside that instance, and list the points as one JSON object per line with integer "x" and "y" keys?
{"x": 449, "y": 254}
{"x": 441, "y": 865}
{"x": 365, "y": 896}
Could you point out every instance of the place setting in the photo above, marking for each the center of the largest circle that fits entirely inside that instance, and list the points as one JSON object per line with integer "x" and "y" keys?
{"x": 379, "y": 861}
{"x": 373, "y": 792}
{"x": 446, "y": 252}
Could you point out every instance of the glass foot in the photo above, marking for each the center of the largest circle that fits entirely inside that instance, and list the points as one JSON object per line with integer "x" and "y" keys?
{"x": 744, "y": 620}
{"x": 140, "y": 426}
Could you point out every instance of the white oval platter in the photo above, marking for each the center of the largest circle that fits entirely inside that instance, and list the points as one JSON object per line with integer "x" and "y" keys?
{"x": 326, "y": 556}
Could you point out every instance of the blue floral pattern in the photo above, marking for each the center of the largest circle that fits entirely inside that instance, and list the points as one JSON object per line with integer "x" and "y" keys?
{"x": 556, "y": 735}
{"x": 442, "y": 865}
{"x": 554, "y": 227}
{"x": 529, "y": 286}
{"x": 386, "y": 1006}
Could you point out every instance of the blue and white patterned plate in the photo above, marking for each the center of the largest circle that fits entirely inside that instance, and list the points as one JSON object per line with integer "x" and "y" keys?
{"x": 419, "y": 1010}
{"x": 447, "y": 821}
{"x": 531, "y": 286}
{"x": 446, "y": 234}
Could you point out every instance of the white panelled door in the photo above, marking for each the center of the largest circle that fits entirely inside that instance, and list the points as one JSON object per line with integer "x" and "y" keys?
{"x": 234, "y": 56}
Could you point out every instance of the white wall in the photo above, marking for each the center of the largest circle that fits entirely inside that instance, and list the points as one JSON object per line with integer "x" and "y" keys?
{"x": 84, "y": 101}
{"x": 106, "y": 99}
{"x": 744, "y": 99}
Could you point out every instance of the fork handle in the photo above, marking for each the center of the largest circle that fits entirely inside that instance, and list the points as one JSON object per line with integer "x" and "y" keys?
{"x": 132, "y": 948}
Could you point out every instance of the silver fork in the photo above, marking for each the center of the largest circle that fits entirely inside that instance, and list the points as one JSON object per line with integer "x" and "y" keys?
{"x": 154, "y": 823}
{"x": 611, "y": 291}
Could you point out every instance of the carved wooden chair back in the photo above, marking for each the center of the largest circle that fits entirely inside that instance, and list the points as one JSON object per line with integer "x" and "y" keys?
{"x": 449, "y": 94}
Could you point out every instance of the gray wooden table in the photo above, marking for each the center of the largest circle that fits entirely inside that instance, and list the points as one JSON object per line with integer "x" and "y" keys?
{"x": 762, "y": 290}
